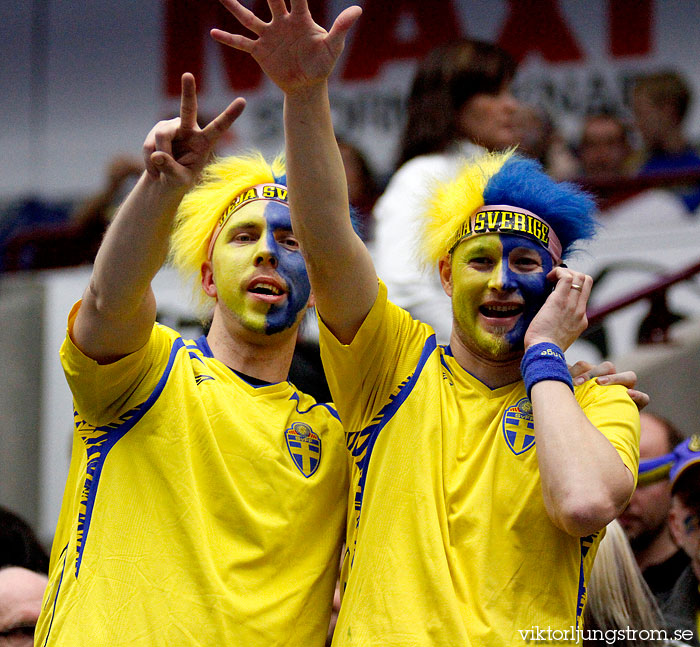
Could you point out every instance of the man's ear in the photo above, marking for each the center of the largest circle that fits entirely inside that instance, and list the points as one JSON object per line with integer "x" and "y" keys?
{"x": 675, "y": 523}
{"x": 445, "y": 268}
{"x": 208, "y": 284}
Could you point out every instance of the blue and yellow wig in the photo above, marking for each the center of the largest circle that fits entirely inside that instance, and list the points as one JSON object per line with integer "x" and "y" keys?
{"x": 200, "y": 209}
{"x": 504, "y": 179}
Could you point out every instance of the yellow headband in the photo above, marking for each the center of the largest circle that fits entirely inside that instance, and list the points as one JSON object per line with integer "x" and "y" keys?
{"x": 504, "y": 219}
{"x": 268, "y": 191}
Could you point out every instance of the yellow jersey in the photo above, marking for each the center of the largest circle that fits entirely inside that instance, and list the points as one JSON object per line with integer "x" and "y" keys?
{"x": 449, "y": 542}
{"x": 199, "y": 510}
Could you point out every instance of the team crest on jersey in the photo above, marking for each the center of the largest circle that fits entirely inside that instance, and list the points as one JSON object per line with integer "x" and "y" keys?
{"x": 519, "y": 426}
{"x": 304, "y": 447}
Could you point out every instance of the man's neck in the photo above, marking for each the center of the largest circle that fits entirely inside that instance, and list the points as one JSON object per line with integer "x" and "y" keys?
{"x": 491, "y": 372}
{"x": 266, "y": 357}
{"x": 656, "y": 551}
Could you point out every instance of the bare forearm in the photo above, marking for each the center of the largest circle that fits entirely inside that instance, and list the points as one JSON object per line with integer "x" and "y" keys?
{"x": 134, "y": 247}
{"x": 585, "y": 484}
{"x": 118, "y": 306}
{"x": 341, "y": 271}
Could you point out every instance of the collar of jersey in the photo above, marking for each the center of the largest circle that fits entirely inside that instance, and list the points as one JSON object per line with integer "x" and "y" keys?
{"x": 462, "y": 374}
{"x": 203, "y": 346}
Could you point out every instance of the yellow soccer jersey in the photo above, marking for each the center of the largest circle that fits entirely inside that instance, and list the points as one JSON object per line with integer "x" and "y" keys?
{"x": 450, "y": 542}
{"x": 200, "y": 510}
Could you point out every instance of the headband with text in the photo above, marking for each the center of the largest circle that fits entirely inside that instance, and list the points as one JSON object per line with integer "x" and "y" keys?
{"x": 268, "y": 191}
{"x": 504, "y": 219}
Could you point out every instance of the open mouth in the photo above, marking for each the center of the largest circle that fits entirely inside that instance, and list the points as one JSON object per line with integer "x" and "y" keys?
{"x": 267, "y": 289}
{"x": 501, "y": 311}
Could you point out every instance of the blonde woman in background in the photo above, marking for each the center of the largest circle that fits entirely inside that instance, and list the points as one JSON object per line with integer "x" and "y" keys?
{"x": 621, "y": 610}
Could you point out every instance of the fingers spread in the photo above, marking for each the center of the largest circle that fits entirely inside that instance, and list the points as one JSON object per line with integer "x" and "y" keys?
{"x": 299, "y": 6}
{"x": 343, "y": 23}
{"x": 245, "y": 16}
{"x": 278, "y": 7}
{"x": 233, "y": 40}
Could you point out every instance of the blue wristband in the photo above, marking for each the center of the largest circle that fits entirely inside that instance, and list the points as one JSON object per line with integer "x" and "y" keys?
{"x": 544, "y": 362}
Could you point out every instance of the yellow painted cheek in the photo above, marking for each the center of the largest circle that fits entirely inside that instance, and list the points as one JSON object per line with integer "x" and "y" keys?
{"x": 229, "y": 268}
{"x": 468, "y": 293}
{"x": 464, "y": 300}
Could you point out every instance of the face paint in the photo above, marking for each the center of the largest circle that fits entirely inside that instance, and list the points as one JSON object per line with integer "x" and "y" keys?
{"x": 259, "y": 271}
{"x": 499, "y": 284}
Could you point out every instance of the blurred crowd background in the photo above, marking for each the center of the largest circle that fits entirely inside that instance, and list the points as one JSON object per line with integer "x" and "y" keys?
{"x": 604, "y": 93}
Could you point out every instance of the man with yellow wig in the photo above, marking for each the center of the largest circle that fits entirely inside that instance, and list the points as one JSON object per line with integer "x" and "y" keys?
{"x": 482, "y": 478}
{"x": 206, "y": 498}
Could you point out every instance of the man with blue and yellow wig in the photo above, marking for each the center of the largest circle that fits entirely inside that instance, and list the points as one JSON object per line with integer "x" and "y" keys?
{"x": 206, "y": 498}
{"x": 481, "y": 479}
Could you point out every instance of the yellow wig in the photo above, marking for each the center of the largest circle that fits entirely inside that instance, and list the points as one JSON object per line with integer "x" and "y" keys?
{"x": 452, "y": 203}
{"x": 200, "y": 209}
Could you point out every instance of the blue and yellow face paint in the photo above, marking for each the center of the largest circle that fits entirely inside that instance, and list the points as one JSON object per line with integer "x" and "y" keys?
{"x": 258, "y": 268}
{"x": 504, "y": 219}
{"x": 268, "y": 191}
{"x": 498, "y": 285}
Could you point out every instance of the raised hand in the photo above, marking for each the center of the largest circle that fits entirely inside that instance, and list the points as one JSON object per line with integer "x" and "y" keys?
{"x": 176, "y": 150}
{"x": 291, "y": 49}
{"x": 562, "y": 318}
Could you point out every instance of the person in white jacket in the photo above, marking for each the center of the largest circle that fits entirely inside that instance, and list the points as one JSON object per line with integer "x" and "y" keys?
{"x": 460, "y": 105}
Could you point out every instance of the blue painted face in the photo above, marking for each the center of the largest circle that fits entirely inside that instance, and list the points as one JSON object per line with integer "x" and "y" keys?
{"x": 258, "y": 268}
{"x": 291, "y": 268}
{"x": 498, "y": 286}
{"x": 533, "y": 287}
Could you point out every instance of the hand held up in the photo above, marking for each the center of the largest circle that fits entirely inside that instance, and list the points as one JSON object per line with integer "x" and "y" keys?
{"x": 562, "y": 318}
{"x": 291, "y": 49}
{"x": 176, "y": 150}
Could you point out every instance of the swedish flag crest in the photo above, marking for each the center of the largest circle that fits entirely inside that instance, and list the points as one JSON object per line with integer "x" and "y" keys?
{"x": 519, "y": 426}
{"x": 304, "y": 447}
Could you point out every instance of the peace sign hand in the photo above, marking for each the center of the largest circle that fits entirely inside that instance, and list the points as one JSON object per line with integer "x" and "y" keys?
{"x": 176, "y": 150}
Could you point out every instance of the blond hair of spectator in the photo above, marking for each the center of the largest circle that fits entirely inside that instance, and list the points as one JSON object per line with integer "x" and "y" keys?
{"x": 618, "y": 596}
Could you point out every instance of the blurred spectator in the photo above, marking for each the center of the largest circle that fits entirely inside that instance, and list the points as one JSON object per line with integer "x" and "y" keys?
{"x": 618, "y": 598}
{"x": 362, "y": 186}
{"x": 660, "y": 103}
{"x": 19, "y": 545}
{"x": 460, "y": 103}
{"x": 460, "y": 95}
{"x": 122, "y": 173}
{"x": 604, "y": 149}
{"x": 23, "y": 567}
{"x": 25, "y": 216}
{"x": 539, "y": 139}
{"x": 75, "y": 241}
{"x": 646, "y": 518}
{"x": 21, "y": 592}
{"x": 682, "y": 608}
